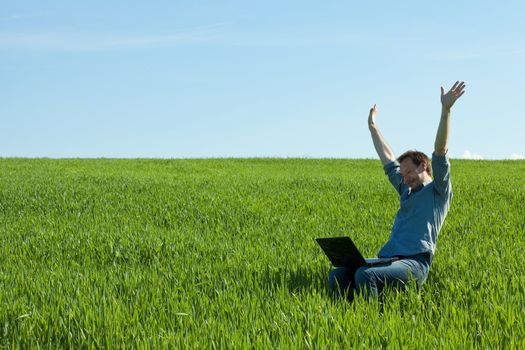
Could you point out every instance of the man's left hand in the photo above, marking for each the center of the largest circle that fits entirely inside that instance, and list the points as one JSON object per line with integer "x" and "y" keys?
{"x": 448, "y": 99}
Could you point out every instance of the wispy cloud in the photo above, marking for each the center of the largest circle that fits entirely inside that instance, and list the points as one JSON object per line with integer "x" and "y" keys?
{"x": 516, "y": 156}
{"x": 474, "y": 54}
{"x": 75, "y": 42}
{"x": 222, "y": 33}
{"x": 24, "y": 16}
{"x": 468, "y": 155}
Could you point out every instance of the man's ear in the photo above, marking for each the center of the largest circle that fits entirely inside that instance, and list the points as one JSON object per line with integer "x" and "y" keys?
{"x": 421, "y": 168}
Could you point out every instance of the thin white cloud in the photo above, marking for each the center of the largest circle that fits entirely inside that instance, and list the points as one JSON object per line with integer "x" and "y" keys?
{"x": 71, "y": 42}
{"x": 516, "y": 156}
{"x": 473, "y": 54}
{"x": 468, "y": 155}
{"x": 23, "y": 16}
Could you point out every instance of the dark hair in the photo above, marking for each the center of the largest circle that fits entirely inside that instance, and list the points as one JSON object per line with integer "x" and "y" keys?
{"x": 417, "y": 158}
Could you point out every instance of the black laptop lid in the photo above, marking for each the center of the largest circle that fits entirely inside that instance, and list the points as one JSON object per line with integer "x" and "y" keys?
{"x": 341, "y": 251}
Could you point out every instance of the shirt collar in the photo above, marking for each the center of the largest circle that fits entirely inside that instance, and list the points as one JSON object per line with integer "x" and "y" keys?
{"x": 411, "y": 191}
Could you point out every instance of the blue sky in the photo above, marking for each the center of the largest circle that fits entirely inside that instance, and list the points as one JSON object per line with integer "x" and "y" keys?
{"x": 179, "y": 79}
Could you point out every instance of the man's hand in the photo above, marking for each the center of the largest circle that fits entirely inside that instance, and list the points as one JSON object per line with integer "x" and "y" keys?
{"x": 448, "y": 99}
{"x": 372, "y": 117}
{"x": 382, "y": 148}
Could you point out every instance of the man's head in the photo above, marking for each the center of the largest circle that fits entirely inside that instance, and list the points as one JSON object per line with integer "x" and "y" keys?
{"x": 415, "y": 167}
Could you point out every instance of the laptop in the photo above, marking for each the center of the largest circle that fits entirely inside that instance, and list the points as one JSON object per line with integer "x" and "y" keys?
{"x": 342, "y": 252}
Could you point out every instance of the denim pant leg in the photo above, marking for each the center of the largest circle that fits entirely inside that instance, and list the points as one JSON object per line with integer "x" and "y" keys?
{"x": 371, "y": 280}
{"x": 340, "y": 279}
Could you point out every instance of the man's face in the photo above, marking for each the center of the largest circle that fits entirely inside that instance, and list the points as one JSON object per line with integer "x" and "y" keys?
{"x": 413, "y": 176}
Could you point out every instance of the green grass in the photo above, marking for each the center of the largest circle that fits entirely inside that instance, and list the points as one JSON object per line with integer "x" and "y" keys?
{"x": 221, "y": 254}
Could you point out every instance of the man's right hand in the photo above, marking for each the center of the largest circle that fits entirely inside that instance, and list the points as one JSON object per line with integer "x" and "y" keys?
{"x": 382, "y": 148}
{"x": 372, "y": 117}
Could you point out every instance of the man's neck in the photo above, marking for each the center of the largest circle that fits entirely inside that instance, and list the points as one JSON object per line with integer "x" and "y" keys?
{"x": 416, "y": 189}
{"x": 426, "y": 180}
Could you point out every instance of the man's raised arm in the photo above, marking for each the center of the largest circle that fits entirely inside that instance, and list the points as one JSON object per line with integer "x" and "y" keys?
{"x": 382, "y": 148}
{"x": 447, "y": 101}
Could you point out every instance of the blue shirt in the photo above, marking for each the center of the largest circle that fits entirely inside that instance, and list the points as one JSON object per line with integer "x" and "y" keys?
{"x": 421, "y": 214}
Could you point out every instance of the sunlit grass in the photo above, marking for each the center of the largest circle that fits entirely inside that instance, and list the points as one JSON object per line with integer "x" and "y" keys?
{"x": 221, "y": 253}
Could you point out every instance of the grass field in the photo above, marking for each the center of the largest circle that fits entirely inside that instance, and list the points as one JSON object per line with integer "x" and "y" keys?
{"x": 221, "y": 254}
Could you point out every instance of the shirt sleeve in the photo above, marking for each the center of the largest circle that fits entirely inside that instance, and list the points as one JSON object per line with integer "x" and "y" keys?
{"x": 392, "y": 171}
{"x": 441, "y": 171}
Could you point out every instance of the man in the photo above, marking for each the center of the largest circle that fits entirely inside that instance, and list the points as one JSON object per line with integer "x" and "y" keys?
{"x": 424, "y": 203}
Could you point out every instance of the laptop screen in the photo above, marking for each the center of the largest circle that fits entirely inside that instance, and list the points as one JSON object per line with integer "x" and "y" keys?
{"x": 341, "y": 251}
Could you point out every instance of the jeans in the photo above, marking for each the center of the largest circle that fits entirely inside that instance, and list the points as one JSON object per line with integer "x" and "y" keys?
{"x": 369, "y": 281}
